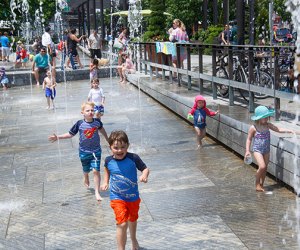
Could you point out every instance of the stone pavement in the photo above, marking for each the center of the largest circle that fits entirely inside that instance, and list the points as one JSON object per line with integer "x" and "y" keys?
{"x": 194, "y": 199}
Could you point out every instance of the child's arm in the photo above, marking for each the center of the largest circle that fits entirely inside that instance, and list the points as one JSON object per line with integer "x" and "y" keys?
{"x": 44, "y": 83}
{"x": 103, "y": 100}
{"x": 105, "y": 183}
{"x": 55, "y": 137}
{"x": 210, "y": 112}
{"x": 103, "y": 132}
{"x": 251, "y": 133}
{"x": 53, "y": 84}
{"x": 279, "y": 130}
{"x": 144, "y": 176}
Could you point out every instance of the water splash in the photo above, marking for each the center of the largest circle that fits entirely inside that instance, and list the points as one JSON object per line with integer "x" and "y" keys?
{"x": 135, "y": 18}
{"x": 293, "y": 6}
{"x": 11, "y": 205}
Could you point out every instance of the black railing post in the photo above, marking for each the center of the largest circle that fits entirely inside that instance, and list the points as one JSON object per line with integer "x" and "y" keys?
{"x": 188, "y": 49}
{"x": 200, "y": 61}
{"x": 251, "y": 78}
{"x": 230, "y": 75}
{"x": 214, "y": 71}
{"x": 150, "y": 59}
{"x": 276, "y": 83}
{"x": 145, "y": 59}
{"x": 140, "y": 55}
{"x": 155, "y": 60}
{"x": 178, "y": 66}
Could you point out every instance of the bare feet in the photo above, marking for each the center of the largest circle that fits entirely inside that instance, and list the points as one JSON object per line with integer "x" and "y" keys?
{"x": 98, "y": 196}
{"x": 259, "y": 188}
{"x": 37, "y": 83}
{"x": 86, "y": 182}
{"x": 121, "y": 80}
{"x": 135, "y": 245}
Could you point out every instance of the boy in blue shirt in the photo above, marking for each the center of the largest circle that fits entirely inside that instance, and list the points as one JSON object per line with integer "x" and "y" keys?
{"x": 120, "y": 171}
{"x": 89, "y": 144}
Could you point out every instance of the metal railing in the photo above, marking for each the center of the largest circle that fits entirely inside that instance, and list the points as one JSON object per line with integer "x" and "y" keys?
{"x": 151, "y": 62}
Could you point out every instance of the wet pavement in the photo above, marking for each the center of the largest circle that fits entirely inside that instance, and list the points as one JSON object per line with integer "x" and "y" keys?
{"x": 195, "y": 199}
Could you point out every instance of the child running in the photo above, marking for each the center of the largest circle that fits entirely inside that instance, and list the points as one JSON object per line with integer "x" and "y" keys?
{"x": 260, "y": 133}
{"x": 198, "y": 113}
{"x": 94, "y": 69}
{"x": 49, "y": 85}
{"x": 97, "y": 96}
{"x": 89, "y": 144}
{"x": 4, "y": 79}
{"x": 120, "y": 172}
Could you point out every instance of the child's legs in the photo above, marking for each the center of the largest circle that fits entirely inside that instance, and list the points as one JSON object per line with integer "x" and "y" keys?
{"x": 200, "y": 134}
{"x": 262, "y": 168}
{"x": 86, "y": 179}
{"x": 122, "y": 235}
{"x": 97, "y": 179}
{"x": 132, "y": 230}
{"x": 48, "y": 101}
{"x": 126, "y": 214}
{"x": 120, "y": 73}
{"x": 266, "y": 159}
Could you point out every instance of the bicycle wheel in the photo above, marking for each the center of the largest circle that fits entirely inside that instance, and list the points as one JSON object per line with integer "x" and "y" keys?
{"x": 222, "y": 90}
{"x": 263, "y": 79}
{"x": 239, "y": 76}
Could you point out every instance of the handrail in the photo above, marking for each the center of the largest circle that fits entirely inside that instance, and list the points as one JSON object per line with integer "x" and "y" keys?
{"x": 150, "y": 59}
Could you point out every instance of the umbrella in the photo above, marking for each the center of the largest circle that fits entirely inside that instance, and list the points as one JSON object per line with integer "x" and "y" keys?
{"x": 143, "y": 13}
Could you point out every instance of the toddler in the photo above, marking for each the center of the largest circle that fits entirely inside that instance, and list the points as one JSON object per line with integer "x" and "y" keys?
{"x": 97, "y": 96}
{"x": 198, "y": 113}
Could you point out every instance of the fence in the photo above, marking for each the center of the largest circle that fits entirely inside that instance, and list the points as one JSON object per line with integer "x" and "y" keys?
{"x": 241, "y": 68}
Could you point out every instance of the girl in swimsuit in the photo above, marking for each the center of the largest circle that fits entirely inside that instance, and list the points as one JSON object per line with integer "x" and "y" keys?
{"x": 260, "y": 134}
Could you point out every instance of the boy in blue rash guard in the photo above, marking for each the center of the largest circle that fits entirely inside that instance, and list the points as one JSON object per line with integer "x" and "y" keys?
{"x": 120, "y": 172}
{"x": 198, "y": 113}
{"x": 89, "y": 144}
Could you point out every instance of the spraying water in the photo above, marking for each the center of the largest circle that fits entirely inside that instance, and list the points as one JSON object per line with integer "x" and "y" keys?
{"x": 294, "y": 8}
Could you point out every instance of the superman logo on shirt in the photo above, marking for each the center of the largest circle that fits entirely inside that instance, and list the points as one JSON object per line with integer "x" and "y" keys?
{"x": 89, "y": 132}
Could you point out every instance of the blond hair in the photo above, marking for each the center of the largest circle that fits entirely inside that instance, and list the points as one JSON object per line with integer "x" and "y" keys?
{"x": 83, "y": 105}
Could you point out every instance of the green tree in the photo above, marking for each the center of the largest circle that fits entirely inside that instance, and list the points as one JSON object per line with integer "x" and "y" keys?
{"x": 189, "y": 14}
{"x": 156, "y": 22}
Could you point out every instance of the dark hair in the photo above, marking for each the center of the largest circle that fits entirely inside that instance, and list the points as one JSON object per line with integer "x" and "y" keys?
{"x": 118, "y": 136}
{"x": 44, "y": 48}
{"x": 73, "y": 31}
{"x": 95, "y": 61}
{"x": 47, "y": 29}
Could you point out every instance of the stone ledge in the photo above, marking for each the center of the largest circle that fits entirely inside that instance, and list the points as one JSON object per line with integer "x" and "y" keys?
{"x": 19, "y": 78}
{"x": 227, "y": 130}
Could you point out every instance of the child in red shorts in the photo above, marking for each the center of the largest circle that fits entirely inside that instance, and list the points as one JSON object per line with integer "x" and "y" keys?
{"x": 120, "y": 170}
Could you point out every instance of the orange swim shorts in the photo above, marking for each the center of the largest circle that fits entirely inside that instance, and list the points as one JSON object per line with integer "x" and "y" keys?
{"x": 125, "y": 210}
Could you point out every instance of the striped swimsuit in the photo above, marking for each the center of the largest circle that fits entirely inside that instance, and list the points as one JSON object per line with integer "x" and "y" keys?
{"x": 261, "y": 141}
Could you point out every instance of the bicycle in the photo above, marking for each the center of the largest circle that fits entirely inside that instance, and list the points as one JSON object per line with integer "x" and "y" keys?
{"x": 240, "y": 74}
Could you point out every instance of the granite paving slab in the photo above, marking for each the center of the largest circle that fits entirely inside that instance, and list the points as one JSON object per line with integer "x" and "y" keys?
{"x": 195, "y": 199}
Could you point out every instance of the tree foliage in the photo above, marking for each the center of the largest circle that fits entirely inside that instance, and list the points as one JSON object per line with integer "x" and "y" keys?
{"x": 156, "y": 22}
{"x": 49, "y": 9}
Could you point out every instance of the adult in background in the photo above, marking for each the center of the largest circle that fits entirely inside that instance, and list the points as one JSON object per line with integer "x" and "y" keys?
{"x": 48, "y": 43}
{"x": 225, "y": 35}
{"x": 95, "y": 45}
{"x": 72, "y": 48}
{"x": 178, "y": 34}
{"x": 40, "y": 64}
{"x": 5, "y": 47}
